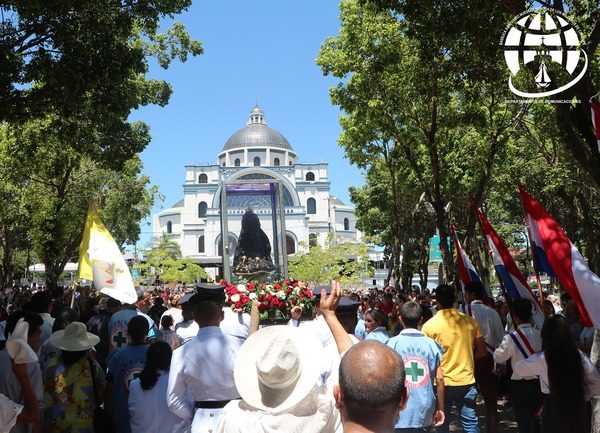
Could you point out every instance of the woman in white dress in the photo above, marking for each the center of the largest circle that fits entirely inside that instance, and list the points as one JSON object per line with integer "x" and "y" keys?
{"x": 148, "y": 395}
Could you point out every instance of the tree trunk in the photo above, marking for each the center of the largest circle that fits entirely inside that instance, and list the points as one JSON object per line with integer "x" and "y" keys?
{"x": 595, "y": 357}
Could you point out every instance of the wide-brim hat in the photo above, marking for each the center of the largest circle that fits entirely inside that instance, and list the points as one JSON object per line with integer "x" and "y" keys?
{"x": 275, "y": 369}
{"x": 74, "y": 338}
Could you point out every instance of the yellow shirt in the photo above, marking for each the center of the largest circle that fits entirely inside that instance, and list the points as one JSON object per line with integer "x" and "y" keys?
{"x": 455, "y": 332}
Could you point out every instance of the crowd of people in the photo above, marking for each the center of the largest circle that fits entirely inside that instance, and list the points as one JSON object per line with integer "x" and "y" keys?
{"x": 375, "y": 360}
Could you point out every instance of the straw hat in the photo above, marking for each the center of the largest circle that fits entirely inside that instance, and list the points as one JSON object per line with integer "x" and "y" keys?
{"x": 74, "y": 338}
{"x": 275, "y": 368}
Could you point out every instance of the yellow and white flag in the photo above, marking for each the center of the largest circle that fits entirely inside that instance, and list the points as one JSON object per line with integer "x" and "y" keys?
{"x": 101, "y": 260}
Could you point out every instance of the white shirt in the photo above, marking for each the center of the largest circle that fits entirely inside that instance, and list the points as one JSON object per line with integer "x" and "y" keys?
{"x": 536, "y": 365}
{"x": 148, "y": 409}
{"x": 175, "y": 313}
{"x": 9, "y": 411}
{"x": 186, "y": 331}
{"x": 509, "y": 350}
{"x": 489, "y": 322}
{"x": 316, "y": 413}
{"x": 235, "y": 324}
{"x": 46, "y": 326}
{"x": 202, "y": 369}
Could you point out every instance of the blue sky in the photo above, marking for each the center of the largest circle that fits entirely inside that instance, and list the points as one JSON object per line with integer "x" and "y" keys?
{"x": 263, "y": 50}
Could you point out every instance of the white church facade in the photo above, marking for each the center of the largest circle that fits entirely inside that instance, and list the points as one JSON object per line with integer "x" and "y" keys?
{"x": 255, "y": 152}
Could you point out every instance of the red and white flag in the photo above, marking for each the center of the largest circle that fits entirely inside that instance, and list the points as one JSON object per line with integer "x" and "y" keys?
{"x": 566, "y": 261}
{"x": 507, "y": 270}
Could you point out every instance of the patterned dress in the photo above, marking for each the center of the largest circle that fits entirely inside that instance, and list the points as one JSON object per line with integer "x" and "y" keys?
{"x": 69, "y": 396}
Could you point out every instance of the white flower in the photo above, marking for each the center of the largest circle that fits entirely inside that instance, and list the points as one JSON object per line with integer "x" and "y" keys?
{"x": 269, "y": 287}
{"x": 296, "y": 290}
{"x": 281, "y": 294}
{"x": 252, "y": 296}
{"x": 235, "y": 298}
{"x": 242, "y": 288}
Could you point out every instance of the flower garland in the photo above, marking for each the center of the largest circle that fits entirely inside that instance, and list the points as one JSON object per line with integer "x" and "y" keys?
{"x": 275, "y": 299}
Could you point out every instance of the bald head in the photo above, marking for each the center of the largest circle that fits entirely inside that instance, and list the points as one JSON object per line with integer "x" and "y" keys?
{"x": 371, "y": 382}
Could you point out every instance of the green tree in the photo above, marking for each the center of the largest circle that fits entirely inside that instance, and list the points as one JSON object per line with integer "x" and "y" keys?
{"x": 165, "y": 243}
{"x": 164, "y": 262}
{"x": 407, "y": 97}
{"x": 345, "y": 261}
{"x": 67, "y": 56}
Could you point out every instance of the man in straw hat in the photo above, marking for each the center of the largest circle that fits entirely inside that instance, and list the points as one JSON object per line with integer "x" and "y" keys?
{"x": 276, "y": 375}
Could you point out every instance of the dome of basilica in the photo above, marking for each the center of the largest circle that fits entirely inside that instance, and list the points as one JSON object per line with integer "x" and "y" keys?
{"x": 256, "y": 134}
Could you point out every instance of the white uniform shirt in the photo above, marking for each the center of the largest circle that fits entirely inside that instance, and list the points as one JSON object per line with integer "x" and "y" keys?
{"x": 148, "y": 409}
{"x": 201, "y": 370}
{"x": 186, "y": 331}
{"x": 536, "y": 366}
{"x": 509, "y": 350}
{"x": 489, "y": 322}
{"x": 234, "y": 324}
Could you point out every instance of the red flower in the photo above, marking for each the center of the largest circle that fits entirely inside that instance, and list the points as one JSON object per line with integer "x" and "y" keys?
{"x": 286, "y": 282}
{"x": 301, "y": 295}
{"x": 276, "y": 286}
{"x": 274, "y": 302}
{"x": 251, "y": 287}
{"x": 293, "y": 301}
{"x": 309, "y": 293}
{"x": 239, "y": 305}
{"x": 288, "y": 290}
{"x": 282, "y": 306}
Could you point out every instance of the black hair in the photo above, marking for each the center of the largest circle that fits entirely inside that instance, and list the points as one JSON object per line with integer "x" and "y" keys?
{"x": 379, "y": 316}
{"x": 522, "y": 309}
{"x": 65, "y": 316}
{"x": 445, "y": 295}
{"x": 34, "y": 321}
{"x": 158, "y": 357}
{"x": 69, "y": 358}
{"x": 475, "y": 287}
{"x": 166, "y": 322}
{"x": 138, "y": 328}
{"x": 411, "y": 312}
{"x": 565, "y": 375}
{"x": 41, "y": 301}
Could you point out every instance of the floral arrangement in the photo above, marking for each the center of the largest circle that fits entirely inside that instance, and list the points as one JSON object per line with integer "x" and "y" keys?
{"x": 276, "y": 300}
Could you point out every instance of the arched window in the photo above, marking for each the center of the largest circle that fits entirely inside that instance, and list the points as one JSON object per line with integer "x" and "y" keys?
{"x": 169, "y": 227}
{"x": 290, "y": 163}
{"x": 290, "y": 245}
{"x": 312, "y": 240}
{"x": 202, "y": 208}
{"x": 201, "y": 244}
{"x": 311, "y": 206}
{"x": 256, "y": 161}
{"x": 203, "y": 178}
{"x": 310, "y": 176}
{"x": 346, "y": 224}
{"x": 276, "y": 161}
{"x": 237, "y": 162}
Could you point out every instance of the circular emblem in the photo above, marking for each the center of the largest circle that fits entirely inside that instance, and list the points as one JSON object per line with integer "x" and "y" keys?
{"x": 542, "y": 49}
{"x": 417, "y": 371}
{"x": 118, "y": 338}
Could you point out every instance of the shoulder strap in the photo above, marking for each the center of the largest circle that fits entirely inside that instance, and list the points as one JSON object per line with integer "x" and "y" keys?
{"x": 522, "y": 343}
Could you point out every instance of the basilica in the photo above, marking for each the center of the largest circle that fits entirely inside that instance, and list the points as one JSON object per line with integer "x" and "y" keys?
{"x": 255, "y": 153}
